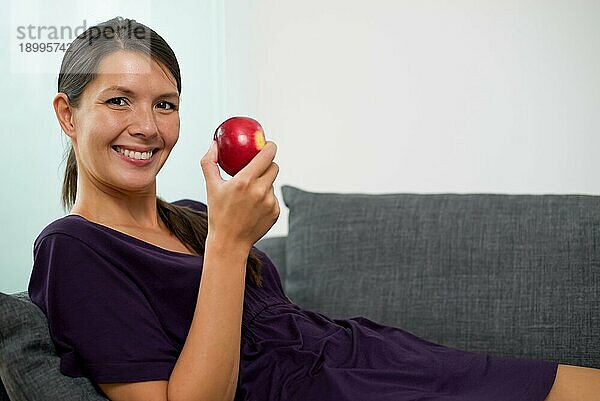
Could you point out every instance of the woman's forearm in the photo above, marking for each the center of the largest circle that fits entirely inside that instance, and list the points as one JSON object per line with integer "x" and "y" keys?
{"x": 207, "y": 368}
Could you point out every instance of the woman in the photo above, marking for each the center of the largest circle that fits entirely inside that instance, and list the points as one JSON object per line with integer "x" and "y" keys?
{"x": 170, "y": 301}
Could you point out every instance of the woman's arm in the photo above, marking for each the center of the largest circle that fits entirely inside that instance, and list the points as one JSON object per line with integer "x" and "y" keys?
{"x": 240, "y": 212}
{"x": 207, "y": 368}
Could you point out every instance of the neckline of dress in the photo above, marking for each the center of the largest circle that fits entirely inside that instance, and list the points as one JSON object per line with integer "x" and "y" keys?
{"x": 132, "y": 238}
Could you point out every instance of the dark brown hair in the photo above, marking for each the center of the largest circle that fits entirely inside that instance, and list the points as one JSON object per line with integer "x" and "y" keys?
{"x": 78, "y": 69}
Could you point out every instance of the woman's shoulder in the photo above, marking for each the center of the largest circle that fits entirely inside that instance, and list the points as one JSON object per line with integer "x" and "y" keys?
{"x": 72, "y": 225}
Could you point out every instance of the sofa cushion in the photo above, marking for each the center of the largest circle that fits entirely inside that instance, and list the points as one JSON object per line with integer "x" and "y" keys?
{"x": 510, "y": 275}
{"x": 29, "y": 366}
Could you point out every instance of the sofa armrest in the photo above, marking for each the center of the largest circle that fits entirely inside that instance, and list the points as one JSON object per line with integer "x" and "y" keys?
{"x": 29, "y": 364}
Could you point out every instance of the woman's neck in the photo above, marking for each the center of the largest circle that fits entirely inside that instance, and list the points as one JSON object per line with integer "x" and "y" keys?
{"x": 137, "y": 211}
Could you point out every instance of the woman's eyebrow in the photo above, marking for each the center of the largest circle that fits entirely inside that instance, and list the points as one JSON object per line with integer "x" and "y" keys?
{"x": 118, "y": 88}
{"x": 129, "y": 92}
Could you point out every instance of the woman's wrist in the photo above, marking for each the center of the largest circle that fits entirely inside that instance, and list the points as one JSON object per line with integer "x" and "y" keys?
{"x": 223, "y": 245}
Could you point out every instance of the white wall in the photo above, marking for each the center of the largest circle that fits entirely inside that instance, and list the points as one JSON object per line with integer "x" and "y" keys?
{"x": 421, "y": 96}
{"x": 377, "y": 96}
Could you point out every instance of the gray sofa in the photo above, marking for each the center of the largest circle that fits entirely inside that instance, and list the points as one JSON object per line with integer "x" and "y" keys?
{"x": 508, "y": 275}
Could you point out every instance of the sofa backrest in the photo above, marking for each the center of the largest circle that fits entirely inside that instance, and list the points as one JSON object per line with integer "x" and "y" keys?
{"x": 511, "y": 275}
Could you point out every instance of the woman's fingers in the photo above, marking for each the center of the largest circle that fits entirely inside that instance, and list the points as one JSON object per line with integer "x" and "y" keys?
{"x": 268, "y": 178}
{"x": 260, "y": 163}
{"x": 209, "y": 166}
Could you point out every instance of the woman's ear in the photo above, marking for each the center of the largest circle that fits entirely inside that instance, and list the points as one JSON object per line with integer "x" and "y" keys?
{"x": 64, "y": 113}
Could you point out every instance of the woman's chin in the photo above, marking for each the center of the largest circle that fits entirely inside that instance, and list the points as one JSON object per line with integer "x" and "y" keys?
{"x": 137, "y": 184}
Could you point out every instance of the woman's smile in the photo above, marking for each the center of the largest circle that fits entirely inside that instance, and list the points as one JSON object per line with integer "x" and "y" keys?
{"x": 134, "y": 157}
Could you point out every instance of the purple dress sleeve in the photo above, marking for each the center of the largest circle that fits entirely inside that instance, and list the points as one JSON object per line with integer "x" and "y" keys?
{"x": 102, "y": 325}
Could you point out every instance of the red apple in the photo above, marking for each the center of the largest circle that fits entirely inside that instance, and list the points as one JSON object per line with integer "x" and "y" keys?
{"x": 239, "y": 139}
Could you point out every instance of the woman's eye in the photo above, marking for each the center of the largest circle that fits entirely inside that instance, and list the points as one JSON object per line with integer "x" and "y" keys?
{"x": 117, "y": 101}
{"x": 166, "y": 105}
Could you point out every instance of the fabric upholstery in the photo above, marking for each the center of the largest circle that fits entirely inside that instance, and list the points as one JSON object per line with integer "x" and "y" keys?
{"x": 29, "y": 366}
{"x": 274, "y": 247}
{"x": 514, "y": 275}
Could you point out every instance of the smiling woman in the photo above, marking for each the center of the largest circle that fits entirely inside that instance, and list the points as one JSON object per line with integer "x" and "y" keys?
{"x": 118, "y": 101}
{"x": 150, "y": 299}
{"x": 131, "y": 105}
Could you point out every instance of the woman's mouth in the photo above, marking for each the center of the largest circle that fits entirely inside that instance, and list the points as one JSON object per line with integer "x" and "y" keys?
{"x": 134, "y": 155}
{"x": 136, "y": 158}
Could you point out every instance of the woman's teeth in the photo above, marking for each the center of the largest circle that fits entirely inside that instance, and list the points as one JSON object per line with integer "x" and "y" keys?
{"x": 135, "y": 155}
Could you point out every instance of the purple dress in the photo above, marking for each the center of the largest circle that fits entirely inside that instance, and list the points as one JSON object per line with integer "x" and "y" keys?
{"x": 119, "y": 310}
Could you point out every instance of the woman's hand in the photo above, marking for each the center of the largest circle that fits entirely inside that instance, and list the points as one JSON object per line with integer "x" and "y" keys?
{"x": 243, "y": 208}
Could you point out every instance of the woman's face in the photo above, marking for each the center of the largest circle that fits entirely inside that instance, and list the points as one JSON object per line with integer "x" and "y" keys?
{"x": 131, "y": 104}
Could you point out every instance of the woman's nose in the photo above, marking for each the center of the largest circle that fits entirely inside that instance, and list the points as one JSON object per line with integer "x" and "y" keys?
{"x": 143, "y": 122}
